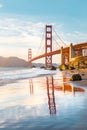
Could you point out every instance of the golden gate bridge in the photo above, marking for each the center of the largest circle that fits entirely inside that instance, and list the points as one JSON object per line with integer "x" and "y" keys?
{"x": 67, "y": 52}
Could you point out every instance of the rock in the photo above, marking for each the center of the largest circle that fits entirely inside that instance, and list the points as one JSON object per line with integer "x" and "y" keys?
{"x": 76, "y": 77}
{"x": 63, "y": 67}
{"x": 42, "y": 67}
{"x": 52, "y": 68}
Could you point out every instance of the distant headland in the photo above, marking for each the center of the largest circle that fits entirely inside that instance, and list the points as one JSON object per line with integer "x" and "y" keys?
{"x": 16, "y": 62}
{"x": 12, "y": 62}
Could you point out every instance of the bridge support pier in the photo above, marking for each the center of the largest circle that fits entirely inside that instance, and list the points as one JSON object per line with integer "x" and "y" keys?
{"x": 62, "y": 57}
{"x": 74, "y": 52}
{"x": 66, "y": 57}
{"x": 71, "y": 52}
{"x": 78, "y": 52}
{"x": 84, "y": 51}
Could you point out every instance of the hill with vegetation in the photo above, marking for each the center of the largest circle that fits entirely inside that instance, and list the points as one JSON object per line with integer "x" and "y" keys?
{"x": 13, "y": 62}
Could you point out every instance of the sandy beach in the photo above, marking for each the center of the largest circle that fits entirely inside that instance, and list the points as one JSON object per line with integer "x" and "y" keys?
{"x": 48, "y": 102}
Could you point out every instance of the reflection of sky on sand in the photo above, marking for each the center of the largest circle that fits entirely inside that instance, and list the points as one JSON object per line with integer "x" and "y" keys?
{"x": 18, "y": 93}
{"x": 29, "y": 103}
{"x": 16, "y": 102}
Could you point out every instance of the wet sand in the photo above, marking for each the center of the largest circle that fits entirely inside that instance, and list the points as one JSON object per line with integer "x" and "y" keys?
{"x": 42, "y": 103}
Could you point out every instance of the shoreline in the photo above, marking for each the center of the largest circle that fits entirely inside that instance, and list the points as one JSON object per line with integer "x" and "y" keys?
{"x": 66, "y": 74}
{"x": 36, "y": 102}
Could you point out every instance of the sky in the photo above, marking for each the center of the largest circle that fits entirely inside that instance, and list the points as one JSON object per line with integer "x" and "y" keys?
{"x": 22, "y": 24}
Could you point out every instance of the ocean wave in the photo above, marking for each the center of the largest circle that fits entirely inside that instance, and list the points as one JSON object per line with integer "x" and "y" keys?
{"x": 10, "y": 75}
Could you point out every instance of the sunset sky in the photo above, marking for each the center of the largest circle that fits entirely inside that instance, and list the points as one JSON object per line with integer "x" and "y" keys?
{"x": 22, "y": 23}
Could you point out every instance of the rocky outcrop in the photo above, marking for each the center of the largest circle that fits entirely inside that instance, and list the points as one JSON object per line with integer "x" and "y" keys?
{"x": 79, "y": 62}
{"x": 63, "y": 67}
{"x": 52, "y": 68}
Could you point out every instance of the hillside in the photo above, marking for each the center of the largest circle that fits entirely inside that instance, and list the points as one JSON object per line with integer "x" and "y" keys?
{"x": 12, "y": 62}
{"x": 17, "y": 62}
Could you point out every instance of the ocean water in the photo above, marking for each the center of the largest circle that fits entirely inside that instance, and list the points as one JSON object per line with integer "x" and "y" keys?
{"x": 8, "y": 75}
{"x": 38, "y": 99}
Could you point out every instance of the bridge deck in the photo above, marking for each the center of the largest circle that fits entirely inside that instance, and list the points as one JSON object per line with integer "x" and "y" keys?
{"x": 66, "y": 49}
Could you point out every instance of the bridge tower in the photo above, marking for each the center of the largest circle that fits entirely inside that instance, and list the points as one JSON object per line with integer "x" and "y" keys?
{"x": 29, "y": 57}
{"x": 48, "y": 45}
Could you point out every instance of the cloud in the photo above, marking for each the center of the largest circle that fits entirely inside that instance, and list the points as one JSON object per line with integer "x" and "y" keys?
{"x": 19, "y": 34}
{"x": 13, "y": 30}
{"x": 77, "y": 37}
{"x": 24, "y": 33}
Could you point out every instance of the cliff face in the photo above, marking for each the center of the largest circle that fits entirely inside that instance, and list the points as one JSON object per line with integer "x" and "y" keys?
{"x": 12, "y": 62}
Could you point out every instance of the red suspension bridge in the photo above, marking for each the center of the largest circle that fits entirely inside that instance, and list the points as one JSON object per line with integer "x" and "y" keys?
{"x": 67, "y": 51}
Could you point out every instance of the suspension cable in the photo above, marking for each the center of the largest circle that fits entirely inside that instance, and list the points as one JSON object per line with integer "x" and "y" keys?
{"x": 59, "y": 38}
{"x": 40, "y": 44}
{"x": 57, "y": 43}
